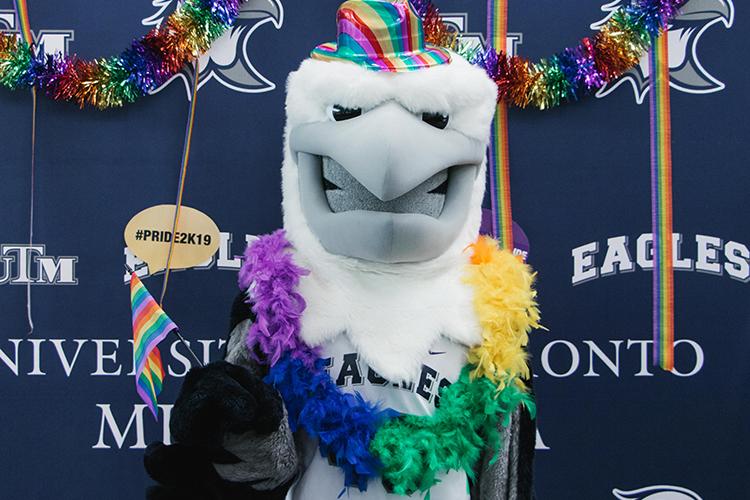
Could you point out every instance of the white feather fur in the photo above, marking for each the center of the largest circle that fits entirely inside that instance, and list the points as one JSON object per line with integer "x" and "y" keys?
{"x": 392, "y": 313}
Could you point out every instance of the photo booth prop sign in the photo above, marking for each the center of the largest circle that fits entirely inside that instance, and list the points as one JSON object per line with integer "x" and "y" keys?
{"x": 149, "y": 236}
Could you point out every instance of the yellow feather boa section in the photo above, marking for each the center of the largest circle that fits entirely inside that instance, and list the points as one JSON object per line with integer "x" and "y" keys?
{"x": 506, "y": 306}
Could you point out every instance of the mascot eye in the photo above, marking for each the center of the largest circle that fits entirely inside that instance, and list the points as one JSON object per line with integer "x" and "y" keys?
{"x": 437, "y": 120}
{"x": 341, "y": 113}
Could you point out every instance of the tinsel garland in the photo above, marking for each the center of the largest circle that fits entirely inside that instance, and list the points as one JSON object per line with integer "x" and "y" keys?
{"x": 575, "y": 71}
{"x": 153, "y": 59}
{"x": 114, "y": 81}
{"x": 361, "y": 438}
{"x": 436, "y": 32}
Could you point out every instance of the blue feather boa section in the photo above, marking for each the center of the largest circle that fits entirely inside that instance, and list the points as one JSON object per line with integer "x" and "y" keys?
{"x": 344, "y": 423}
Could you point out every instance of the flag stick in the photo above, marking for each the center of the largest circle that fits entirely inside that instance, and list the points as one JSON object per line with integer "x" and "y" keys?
{"x": 184, "y": 342}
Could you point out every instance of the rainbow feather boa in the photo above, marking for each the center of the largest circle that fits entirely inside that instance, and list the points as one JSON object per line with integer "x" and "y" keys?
{"x": 363, "y": 439}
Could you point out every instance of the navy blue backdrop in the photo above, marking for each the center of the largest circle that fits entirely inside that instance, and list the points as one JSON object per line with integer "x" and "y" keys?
{"x": 610, "y": 425}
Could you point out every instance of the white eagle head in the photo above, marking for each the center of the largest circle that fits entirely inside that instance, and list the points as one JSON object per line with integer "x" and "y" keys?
{"x": 686, "y": 73}
{"x": 384, "y": 170}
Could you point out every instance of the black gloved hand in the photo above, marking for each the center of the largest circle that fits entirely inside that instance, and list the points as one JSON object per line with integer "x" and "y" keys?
{"x": 214, "y": 400}
{"x": 184, "y": 474}
{"x": 221, "y": 398}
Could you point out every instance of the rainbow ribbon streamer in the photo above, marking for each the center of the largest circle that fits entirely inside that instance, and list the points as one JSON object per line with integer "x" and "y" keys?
{"x": 661, "y": 204}
{"x": 498, "y": 159}
{"x": 22, "y": 9}
{"x": 150, "y": 326}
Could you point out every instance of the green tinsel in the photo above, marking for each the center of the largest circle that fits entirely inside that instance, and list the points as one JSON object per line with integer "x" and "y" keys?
{"x": 632, "y": 30}
{"x": 117, "y": 83}
{"x": 414, "y": 449}
{"x": 553, "y": 86}
{"x": 468, "y": 52}
{"x": 207, "y": 27}
{"x": 13, "y": 68}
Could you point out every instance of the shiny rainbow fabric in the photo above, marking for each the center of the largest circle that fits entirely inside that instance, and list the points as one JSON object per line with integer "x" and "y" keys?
{"x": 381, "y": 36}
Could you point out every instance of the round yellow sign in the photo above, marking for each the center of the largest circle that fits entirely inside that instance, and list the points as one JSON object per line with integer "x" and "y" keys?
{"x": 149, "y": 235}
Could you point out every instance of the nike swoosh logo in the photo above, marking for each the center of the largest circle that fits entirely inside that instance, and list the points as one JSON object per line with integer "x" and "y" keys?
{"x": 436, "y": 353}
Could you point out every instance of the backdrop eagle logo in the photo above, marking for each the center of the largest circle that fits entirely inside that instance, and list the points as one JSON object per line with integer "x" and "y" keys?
{"x": 659, "y": 492}
{"x": 228, "y": 61}
{"x": 687, "y": 74}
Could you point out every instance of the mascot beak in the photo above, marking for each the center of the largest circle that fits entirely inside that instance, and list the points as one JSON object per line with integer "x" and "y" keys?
{"x": 388, "y": 150}
{"x": 385, "y": 185}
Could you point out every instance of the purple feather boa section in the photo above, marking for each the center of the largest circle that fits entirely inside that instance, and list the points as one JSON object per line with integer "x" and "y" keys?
{"x": 271, "y": 278}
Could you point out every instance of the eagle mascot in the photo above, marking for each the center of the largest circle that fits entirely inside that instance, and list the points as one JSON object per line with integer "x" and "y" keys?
{"x": 377, "y": 346}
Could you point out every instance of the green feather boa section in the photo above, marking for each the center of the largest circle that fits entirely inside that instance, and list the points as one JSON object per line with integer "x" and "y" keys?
{"x": 414, "y": 449}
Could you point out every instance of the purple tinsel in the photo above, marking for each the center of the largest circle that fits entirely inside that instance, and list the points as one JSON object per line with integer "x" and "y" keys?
{"x": 271, "y": 278}
{"x": 421, "y": 6}
{"x": 579, "y": 66}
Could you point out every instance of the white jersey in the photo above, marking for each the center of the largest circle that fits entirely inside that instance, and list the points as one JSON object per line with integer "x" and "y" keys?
{"x": 441, "y": 367}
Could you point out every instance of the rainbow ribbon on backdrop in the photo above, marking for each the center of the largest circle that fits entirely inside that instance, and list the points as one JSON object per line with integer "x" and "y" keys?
{"x": 150, "y": 326}
{"x": 498, "y": 159}
{"x": 661, "y": 204}
{"x": 22, "y": 9}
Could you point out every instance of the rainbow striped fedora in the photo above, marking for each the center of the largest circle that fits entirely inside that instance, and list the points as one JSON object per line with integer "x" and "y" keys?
{"x": 381, "y": 35}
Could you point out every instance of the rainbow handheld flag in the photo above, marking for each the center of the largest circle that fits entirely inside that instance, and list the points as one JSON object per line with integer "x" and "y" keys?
{"x": 150, "y": 326}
